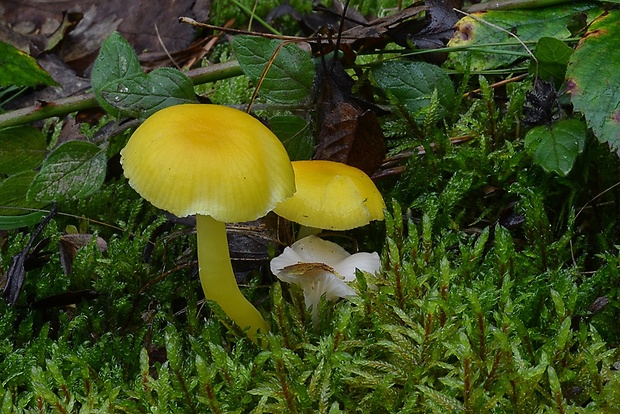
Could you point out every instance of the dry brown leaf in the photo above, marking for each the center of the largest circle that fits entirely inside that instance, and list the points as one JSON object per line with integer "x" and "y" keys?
{"x": 69, "y": 245}
{"x": 347, "y": 132}
{"x": 146, "y": 25}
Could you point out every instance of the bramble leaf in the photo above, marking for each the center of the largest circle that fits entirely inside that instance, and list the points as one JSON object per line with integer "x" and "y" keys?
{"x": 116, "y": 60}
{"x": 122, "y": 88}
{"x": 488, "y": 47}
{"x": 19, "y": 69}
{"x": 593, "y": 78}
{"x": 74, "y": 170}
{"x": 144, "y": 94}
{"x": 290, "y": 78}
{"x": 21, "y": 148}
{"x": 555, "y": 148}
{"x": 413, "y": 84}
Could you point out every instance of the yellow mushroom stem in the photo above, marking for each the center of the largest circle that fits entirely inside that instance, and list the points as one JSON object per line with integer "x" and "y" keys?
{"x": 218, "y": 279}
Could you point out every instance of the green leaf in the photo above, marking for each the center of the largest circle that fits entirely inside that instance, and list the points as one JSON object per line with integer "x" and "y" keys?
{"x": 13, "y": 194}
{"x": 412, "y": 84}
{"x": 552, "y": 55}
{"x": 593, "y": 78}
{"x": 19, "y": 69}
{"x": 442, "y": 402}
{"x": 290, "y": 78}
{"x": 554, "y": 381}
{"x": 15, "y": 222}
{"x": 560, "y": 309}
{"x": 142, "y": 95}
{"x": 116, "y": 60}
{"x": 74, "y": 170}
{"x": 555, "y": 148}
{"x": 563, "y": 334}
{"x": 21, "y": 148}
{"x": 296, "y": 135}
{"x": 476, "y": 32}
{"x": 121, "y": 87}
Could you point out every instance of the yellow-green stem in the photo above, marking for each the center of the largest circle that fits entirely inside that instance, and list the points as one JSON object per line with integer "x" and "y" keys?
{"x": 218, "y": 279}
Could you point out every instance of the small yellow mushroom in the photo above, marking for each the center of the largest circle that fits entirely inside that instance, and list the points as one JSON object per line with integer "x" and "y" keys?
{"x": 331, "y": 196}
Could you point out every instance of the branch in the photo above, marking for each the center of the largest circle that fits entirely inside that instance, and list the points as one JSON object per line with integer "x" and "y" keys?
{"x": 64, "y": 106}
{"x": 513, "y": 5}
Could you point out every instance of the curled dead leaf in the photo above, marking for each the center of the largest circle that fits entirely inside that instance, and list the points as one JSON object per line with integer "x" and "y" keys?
{"x": 348, "y": 130}
{"x": 69, "y": 245}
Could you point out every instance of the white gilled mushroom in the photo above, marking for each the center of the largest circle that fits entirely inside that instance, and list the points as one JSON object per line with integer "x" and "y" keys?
{"x": 332, "y": 196}
{"x": 220, "y": 164}
{"x": 321, "y": 267}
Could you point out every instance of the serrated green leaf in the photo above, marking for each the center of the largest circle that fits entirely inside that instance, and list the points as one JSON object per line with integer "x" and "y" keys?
{"x": 290, "y": 78}
{"x": 74, "y": 170}
{"x": 479, "y": 30}
{"x": 19, "y": 69}
{"x": 412, "y": 84}
{"x": 13, "y": 192}
{"x": 296, "y": 135}
{"x": 21, "y": 148}
{"x": 552, "y": 55}
{"x": 593, "y": 78}
{"x": 116, "y": 60}
{"x": 143, "y": 94}
{"x": 555, "y": 148}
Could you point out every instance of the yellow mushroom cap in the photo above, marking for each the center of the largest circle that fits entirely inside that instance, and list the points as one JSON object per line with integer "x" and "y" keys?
{"x": 332, "y": 196}
{"x": 210, "y": 160}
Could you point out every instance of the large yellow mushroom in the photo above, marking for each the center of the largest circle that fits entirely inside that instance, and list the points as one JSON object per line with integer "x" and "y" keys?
{"x": 222, "y": 165}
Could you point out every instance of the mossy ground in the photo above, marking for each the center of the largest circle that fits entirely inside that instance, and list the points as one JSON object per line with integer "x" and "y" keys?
{"x": 499, "y": 294}
{"x": 473, "y": 312}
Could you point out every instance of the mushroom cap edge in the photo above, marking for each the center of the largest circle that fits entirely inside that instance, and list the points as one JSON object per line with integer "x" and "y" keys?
{"x": 208, "y": 159}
